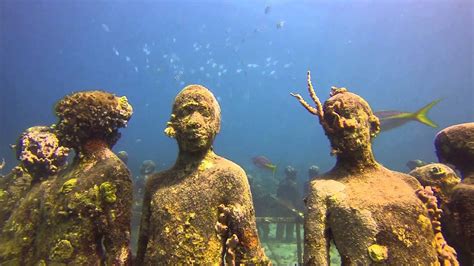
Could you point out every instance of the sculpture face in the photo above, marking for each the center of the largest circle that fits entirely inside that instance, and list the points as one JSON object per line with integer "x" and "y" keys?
{"x": 350, "y": 123}
{"x": 195, "y": 120}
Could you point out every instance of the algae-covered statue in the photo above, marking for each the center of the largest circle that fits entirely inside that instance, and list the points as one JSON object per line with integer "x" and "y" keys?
{"x": 373, "y": 214}
{"x": 440, "y": 177}
{"x": 199, "y": 211}
{"x": 81, "y": 217}
{"x": 455, "y": 146}
{"x": 40, "y": 157}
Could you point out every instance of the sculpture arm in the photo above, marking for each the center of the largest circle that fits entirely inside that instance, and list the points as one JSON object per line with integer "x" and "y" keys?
{"x": 116, "y": 197}
{"x": 316, "y": 238}
{"x": 241, "y": 222}
{"x": 144, "y": 228}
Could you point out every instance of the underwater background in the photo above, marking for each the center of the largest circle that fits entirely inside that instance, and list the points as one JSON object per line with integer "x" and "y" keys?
{"x": 398, "y": 55}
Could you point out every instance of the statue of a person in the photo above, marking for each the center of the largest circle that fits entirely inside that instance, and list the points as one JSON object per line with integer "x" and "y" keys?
{"x": 199, "y": 211}
{"x": 82, "y": 216}
{"x": 40, "y": 156}
{"x": 290, "y": 197}
{"x": 372, "y": 213}
{"x": 455, "y": 146}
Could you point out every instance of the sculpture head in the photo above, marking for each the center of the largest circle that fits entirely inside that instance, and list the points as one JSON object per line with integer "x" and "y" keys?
{"x": 349, "y": 122}
{"x": 455, "y": 145}
{"x": 313, "y": 171}
{"x": 195, "y": 119}
{"x": 91, "y": 115}
{"x": 39, "y": 151}
{"x": 441, "y": 178}
{"x": 147, "y": 167}
{"x": 291, "y": 172}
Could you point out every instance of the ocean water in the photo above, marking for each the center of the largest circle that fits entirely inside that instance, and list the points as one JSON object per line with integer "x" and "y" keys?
{"x": 398, "y": 55}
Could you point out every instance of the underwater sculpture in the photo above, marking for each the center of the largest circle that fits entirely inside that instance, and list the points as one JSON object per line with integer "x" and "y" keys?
{"x": 454, "y": 146}
{"x": 123, "y": 155}
{"x": 147, "y": 167}
{"x": 81, "y": 217}
{"x": 373, "y": 214}
{"x": 441, "y": 178}
{"x": 289, "y": 195}
{"x": 40, "y": 156}
{"x": 199, "y": 211}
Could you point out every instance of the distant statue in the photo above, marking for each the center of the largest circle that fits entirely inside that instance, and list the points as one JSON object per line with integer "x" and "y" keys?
{"x": 290, "y": 197}
{"x": 81, "y": 217}
{"x": 455, "y": 146}
{"x": 373, "y": 214}
{"x": 199, "y": 211}
{"x": 40, "y": 157}
{"x": 123, "y": 155}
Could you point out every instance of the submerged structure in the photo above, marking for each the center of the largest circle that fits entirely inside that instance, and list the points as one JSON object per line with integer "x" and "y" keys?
{"x": 373, "y": 214}
{"x": 40, "y": 156}
{"x": 199, "y": 211}
{"x": 455, "y": 146}
{"x": 82, "y": 216}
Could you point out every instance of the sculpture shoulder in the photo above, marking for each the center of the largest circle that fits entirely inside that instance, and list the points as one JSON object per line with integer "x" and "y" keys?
{"x": 408, "y": 179}
{"x": 155, "y": 179}
{"x": 229, "y": 166}
{"x": 324, "y": 187}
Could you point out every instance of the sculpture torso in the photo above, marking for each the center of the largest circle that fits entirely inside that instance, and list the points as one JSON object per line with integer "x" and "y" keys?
{"x": 184, "y": 211}
{"x": 377, "y": 207}
{"x": 461, "y": 220}
{"x": 80, "y": 210}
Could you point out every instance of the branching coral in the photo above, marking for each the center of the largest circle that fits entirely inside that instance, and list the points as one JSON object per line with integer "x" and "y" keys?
{"x": 446, "y": 254}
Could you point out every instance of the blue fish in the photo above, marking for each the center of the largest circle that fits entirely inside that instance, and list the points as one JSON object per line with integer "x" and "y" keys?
{"x": 393, "y": 119}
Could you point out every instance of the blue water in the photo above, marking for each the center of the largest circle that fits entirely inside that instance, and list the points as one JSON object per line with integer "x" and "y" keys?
{"x": 396, "y": 54}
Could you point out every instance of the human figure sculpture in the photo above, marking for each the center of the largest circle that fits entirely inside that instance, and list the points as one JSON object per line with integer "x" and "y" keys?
{"x": 123, "y": 155}
{"x": 454, "y": 146}
{"x": 40, "y": 157}
{"x": 200, "y": 210}
{"x": 289, "y": 195}
{"x": 81, "y": 217}
{"x": 372, "y": 213}
{"x": 440, "y": 177}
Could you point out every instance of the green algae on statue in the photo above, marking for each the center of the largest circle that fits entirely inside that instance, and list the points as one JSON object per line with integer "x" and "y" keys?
{"x": 199, "y": 211}
{"x": 40, "y": 157}
{"x": 372, "y": 213}
{"x": 455, "y": 146}
{"x": 83, "y": 215}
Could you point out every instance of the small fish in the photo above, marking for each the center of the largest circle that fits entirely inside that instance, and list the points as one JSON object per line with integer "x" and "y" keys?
{"x": 116, "y": 52}
{"x": 2, "y": 164}
{"x": 268, "y": 9}
{"x": 264, "y": 163}
{"x": 280, "y": 24}
{"x": 393, "y": 119}
{"x": 105, "y": 28}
